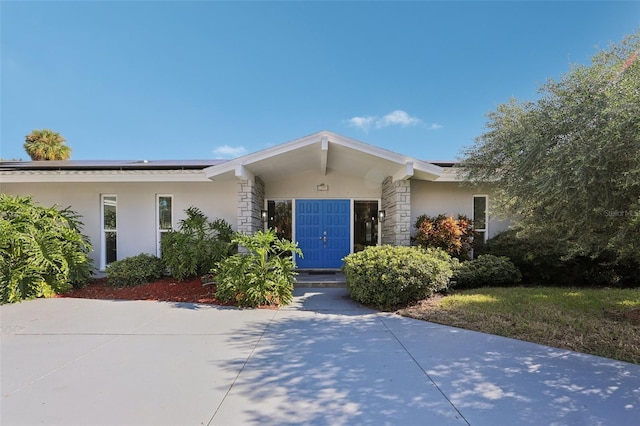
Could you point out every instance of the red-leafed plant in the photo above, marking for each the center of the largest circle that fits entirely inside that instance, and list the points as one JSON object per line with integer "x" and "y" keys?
{"x": 454, "y": 236}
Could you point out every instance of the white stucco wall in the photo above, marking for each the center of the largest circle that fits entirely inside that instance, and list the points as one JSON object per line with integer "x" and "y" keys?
{"x": 218, "y": 199}
{"x": 434, "y": 198}
{"x": 304, "y": 185}
{"x": 136, "y": 207}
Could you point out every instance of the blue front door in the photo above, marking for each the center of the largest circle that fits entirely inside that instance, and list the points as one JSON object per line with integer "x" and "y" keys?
{"x": 323, "y": 232}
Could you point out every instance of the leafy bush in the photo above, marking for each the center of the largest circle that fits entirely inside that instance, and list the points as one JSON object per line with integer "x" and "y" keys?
{"x": 197, "y": 246}
{"x": 452, "y": 235}
{"x": 387, "y": 277}
{"x": 487, "y": 271}
{"x": 42, "y": 250}
{"x": 135, "y": 270}
{"x": 263, "y": 275}
{"x": 543, "y": 260}
{"x": 539, "y": 259}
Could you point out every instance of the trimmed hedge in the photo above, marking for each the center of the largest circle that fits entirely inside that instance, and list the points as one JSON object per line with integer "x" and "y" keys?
{"x": 387, "y": 277}
{"x": 135, "y": 270}
{"x": 487, "y": 271}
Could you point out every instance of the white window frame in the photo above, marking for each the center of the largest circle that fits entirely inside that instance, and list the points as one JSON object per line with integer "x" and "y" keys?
{"x": 103, "y": 230}
{"x": 486, "y": 214}
{"x": 160, "y": 231}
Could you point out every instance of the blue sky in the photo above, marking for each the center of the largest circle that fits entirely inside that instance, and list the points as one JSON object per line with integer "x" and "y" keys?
{"x": 206, "y": 79}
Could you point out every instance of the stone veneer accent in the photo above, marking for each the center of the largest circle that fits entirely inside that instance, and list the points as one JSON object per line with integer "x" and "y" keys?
{"x": 396, "y": 202}
{"x": 250, "y": 205}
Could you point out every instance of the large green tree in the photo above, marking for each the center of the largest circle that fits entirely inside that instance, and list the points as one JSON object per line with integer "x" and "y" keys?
{"x": 568, "y": 164}
{"x": 45, "y": 144}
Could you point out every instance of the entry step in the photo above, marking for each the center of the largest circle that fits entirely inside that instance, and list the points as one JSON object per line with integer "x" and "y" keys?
{"x": 319, "y": 279}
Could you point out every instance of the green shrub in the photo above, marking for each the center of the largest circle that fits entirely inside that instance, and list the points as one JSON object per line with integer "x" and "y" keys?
{"x": 487, "y": 271}
{"x": 538, "y": 259}
{"x": 42, "y": 250}
{"x": 263, "y": 275}
{"x": 543, "y": 260}
{"x": 135, "y": 270}
{"x": 387, "y": 277}
{"x": 451, "y": 235}
{"x": 196, "y": 247}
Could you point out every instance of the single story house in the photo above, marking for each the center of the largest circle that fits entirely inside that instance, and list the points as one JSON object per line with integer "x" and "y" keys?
{"x": 330, "y": 193}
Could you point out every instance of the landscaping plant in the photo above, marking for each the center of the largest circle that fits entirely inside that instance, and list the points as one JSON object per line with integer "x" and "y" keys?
{"x": 567, "y": 165}
{"x": 135, "y": 270}
{"x": 42, "y": 250}
{"x": 263, "y": 274}
{"x": 487, "y": 270}
{"x": 386, "y": 277}
{"x": 452, "y": 235}
{"x": 196, "y": 247}
{"x": 544, "y": 260}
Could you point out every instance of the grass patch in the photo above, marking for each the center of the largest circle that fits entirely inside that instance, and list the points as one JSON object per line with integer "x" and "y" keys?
{"x": 604, "y": 322}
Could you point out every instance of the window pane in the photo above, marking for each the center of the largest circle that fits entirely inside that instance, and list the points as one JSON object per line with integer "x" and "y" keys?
{"x": 478, "y": 242}
{"x": 110, "y": 208}
{"x": 480, "y": 212}
{"x": 165, "y": 219}
{"x": 365, "y": 224}
{"x": 111, "y": 249}
{"x": 280, "y": 214}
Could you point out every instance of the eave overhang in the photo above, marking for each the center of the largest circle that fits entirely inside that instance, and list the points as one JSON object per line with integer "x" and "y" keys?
{"x": 46, "y": 176}
{"x": 327, "y": 153}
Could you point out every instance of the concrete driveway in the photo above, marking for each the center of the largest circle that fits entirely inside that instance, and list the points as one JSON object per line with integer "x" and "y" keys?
{"x": 324, "y": 360}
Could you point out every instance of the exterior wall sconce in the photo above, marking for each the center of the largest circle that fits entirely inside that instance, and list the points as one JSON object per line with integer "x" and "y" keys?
{"x": 322, "y": 187}
{"x": 264, "y": 214}
{"x": 381, "y": 215}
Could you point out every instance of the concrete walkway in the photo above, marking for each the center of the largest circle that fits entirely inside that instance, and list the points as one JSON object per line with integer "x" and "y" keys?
{"x": 324, "y": 360}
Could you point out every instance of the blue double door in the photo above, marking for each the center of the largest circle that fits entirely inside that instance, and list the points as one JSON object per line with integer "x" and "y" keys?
{"x": 323, "y": 232}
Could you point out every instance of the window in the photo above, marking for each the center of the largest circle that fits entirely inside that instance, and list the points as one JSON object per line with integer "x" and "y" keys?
{"x": 109, "y": 230}
{"x": 164, "y": 219}
{"x": 480, "y": 220}
{"x": 365, "y": 224}
{"x": 280, "y": 217}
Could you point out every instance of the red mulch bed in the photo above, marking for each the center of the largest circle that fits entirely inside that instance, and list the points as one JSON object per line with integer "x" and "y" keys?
{"x": 165, "y": 290}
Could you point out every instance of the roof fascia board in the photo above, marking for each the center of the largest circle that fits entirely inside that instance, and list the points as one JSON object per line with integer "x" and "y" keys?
{"x": 245, "y": 160}
{"x": 386, "y": 154}
{"x": 405, "y": 172}
{"x": 101, "y": 176}
{"x": 320, "y": 137}
{"x": 243, "y": 173}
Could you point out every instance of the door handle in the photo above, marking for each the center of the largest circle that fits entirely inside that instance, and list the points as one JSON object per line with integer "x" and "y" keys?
{"x": 324, "y": 238}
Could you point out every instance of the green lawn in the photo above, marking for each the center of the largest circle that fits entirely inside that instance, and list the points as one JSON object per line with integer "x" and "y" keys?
{"x": 602, "y": 322}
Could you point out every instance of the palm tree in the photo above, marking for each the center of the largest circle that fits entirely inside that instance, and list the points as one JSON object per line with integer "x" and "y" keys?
{"x": 46, "y": 144}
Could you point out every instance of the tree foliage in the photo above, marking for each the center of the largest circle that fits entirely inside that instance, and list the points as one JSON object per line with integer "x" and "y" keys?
{"x": 46, "y": 144}
{"x": 42, "y": 250}
{"x": 568, "y": 164}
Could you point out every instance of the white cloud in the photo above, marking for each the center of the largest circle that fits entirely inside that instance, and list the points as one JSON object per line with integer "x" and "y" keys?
{"x": 362, "y": 123}
{"x": 435, "y": 126}
{"x": 399, "y": 118}
{"x": 394, "y": 118}
{"x": 226, "y": 151}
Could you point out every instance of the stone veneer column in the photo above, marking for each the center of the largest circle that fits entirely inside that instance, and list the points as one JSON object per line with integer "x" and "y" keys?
{"x": 250, "y": 205}
{"x": 396, "y": 202}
